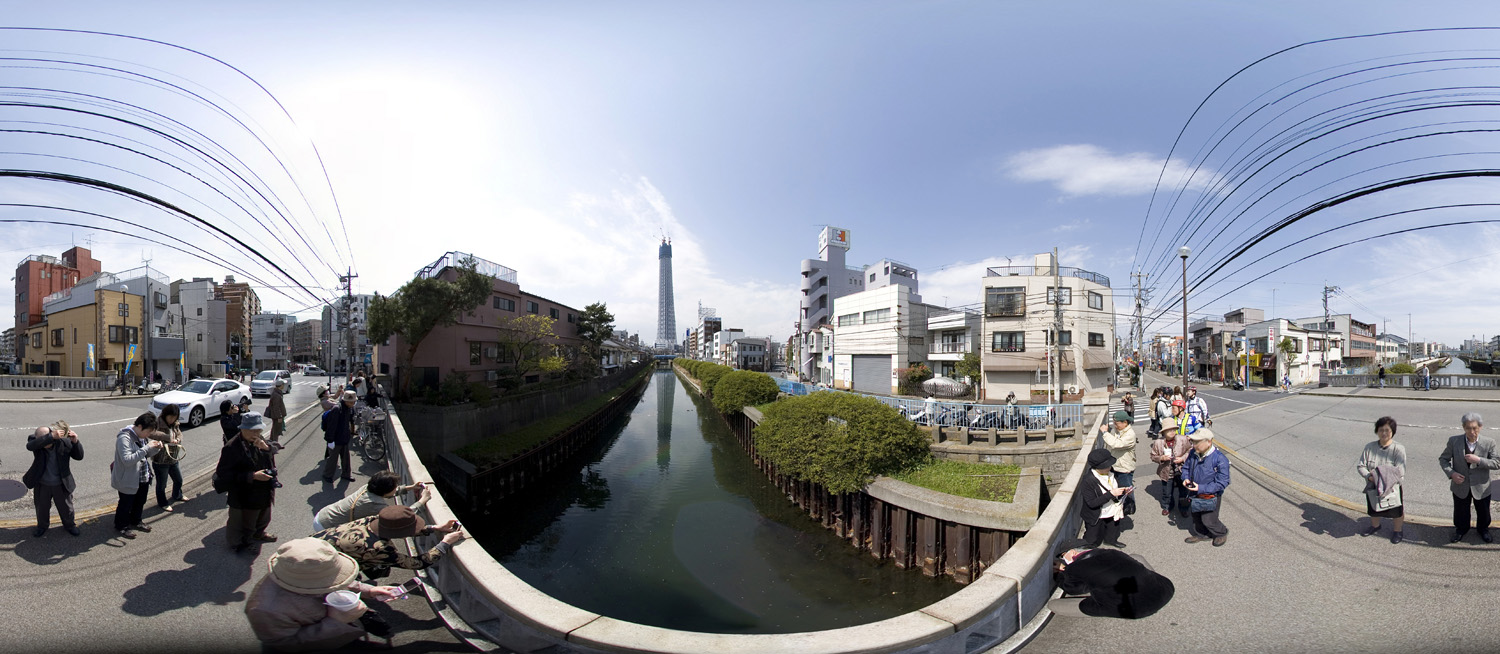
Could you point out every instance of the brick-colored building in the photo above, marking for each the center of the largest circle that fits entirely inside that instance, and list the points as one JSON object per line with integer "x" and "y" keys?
{"x": 41, "y": 275}
{"x": 244, "y": 305}
{"x": 472, "y": 345}
{"x": 111, "y": 320}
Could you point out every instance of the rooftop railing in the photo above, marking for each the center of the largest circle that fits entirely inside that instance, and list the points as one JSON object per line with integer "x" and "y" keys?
{"x": 1032, "y": 271}
{"x": 454, "y": 258}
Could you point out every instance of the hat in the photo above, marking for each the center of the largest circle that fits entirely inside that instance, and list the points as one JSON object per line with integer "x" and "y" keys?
{"x": 1099, "y": 460}
{"x": 280, "y": 383}
{"x": 1193, "y": 389}
{"x": 311, "y": 566}
{"x": 252, "y": 420}
{"x": 398, "y": 522}
{"x": 1202, "y": 435}
{"x": 350, "y": 396}
{"x": 1180, "y": 403}
{"x": 1121, "y": 416}
{"x": 1168, "y": 426}
{"x": 322, "y": 391}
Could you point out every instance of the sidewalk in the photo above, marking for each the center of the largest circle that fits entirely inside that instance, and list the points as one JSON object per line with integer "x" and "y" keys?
{"x": 1293, "y": 576}
{"x": 1404, "y": 393}
{"x": 11, "y": 395}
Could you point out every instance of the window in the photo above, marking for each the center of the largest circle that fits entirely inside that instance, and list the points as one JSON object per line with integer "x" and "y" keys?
{"x": 1066, "y": 295}
{"x": 916, "y": 340}
{"x": 474, "y": 354}
{"x": 200, "y": 311}
{"x": 533, "y": 307}
{"x": 872, "y": 278}
{"x": 1096, "y": 339}
{"x": 1005, "y": 302}
{"x": 1096, "y": 301}
{"x": 1067, "y": 338}
{"x": 200, "y": 338}
{"x": 850, "y": 319}
{"x": 57, "y": 338}
{"x": 878, "y": 315}
{"x": 121, "y": 334}
{"x": 505, "y": 303}
{"x": 75, "y": 335}
{"x": 553, "y": 313}
{"x": 570, "y": 317}
{"x": 1008, "y": 342}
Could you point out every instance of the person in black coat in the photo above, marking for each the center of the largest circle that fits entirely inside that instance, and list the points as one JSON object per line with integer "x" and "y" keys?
{"x": 229, "y": 420}
{"x": 50, "y": 477}
{"x": 1099, "y": 496}
{"x": 247, "y": 466}
{"x": 1105, "y": 583}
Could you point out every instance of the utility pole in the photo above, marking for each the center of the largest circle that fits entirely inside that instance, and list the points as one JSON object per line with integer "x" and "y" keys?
{"x": 1327, "y": 342}
{"x": 1055, "y": 369}
{"x": 348, "y": 323}
{"x": 1409, "y": 356}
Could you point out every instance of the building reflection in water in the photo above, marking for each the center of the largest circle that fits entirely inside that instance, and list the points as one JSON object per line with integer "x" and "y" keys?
{"x": 664, "y": 394}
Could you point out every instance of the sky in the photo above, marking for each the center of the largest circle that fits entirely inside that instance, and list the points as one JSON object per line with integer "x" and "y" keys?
{"x": 564, "y": 140}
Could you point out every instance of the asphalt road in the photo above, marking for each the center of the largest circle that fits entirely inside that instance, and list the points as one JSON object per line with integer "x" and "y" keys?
{"x": 178, "y": 588}
{"x": 1294, "y": 575}
{"x": 97, "y": 423}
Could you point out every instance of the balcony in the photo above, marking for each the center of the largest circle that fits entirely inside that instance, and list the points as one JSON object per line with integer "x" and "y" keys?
{"x": 1032, "y": 271}
{"x": 452, "y": 259}
{"x": 950, "y": 348}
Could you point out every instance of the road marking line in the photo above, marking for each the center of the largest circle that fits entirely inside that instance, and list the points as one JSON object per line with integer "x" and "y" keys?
{"x": 73, "y": 426}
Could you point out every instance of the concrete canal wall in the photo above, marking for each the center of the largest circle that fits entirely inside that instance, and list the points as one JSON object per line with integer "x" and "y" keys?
{"x": 496, "y": 610}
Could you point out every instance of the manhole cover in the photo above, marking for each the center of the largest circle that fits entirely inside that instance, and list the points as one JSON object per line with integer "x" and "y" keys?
{"x": 11, "y": 490}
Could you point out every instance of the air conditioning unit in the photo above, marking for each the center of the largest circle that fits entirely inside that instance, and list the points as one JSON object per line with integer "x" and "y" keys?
{"x": 492, "y": 375}
{"x": 492, "y": 352}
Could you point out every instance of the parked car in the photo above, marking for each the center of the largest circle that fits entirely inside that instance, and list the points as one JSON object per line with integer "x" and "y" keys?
{"x": 199, "y": 399}
{"x": 313, "y": 370}
{"x": 265, "y": 382}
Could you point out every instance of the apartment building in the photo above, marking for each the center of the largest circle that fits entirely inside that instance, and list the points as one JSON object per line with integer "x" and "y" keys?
{"x": 880, "y": 331}
{"x": 39, "y": 276}
{"x": 271, "y": 334}
{"x": 824, "y": 280}
{"x": 306, "y": 339}
{"x": 243, "y": 305}
{"x": 1359, "y": 348}
{"x": 205, "y": 325}
{"x": 749, "y": 353}
{"x": 93, "y": 326}
{"x": 1020, "y": 327}
{"x": 951, "y": 334}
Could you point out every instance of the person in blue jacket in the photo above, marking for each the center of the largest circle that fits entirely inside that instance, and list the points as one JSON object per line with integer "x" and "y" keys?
{"x": 1206, "y": 476}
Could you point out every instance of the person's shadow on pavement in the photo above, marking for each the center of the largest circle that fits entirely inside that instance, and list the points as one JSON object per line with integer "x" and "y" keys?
{"x": 215, "y": 575}
{"x": 1322, "y": 520}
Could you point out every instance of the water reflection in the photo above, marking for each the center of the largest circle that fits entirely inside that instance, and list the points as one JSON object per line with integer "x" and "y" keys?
{"x": 705, "y": 544}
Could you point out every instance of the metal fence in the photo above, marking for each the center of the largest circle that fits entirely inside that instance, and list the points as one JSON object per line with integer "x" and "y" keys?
{"x": 1407, "y": 380}
{"x": 1033, "y": 417}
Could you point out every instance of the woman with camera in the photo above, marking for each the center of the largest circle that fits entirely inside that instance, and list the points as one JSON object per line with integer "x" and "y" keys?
{"x": 247, "y": 468}
{"x": 164, "y": 464}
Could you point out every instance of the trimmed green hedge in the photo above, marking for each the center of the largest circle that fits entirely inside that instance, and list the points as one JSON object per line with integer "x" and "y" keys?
{"x": 738, "y": 389}
{"x": 838, "y": 440}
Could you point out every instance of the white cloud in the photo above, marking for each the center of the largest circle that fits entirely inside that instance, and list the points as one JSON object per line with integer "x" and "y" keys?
{"x": 1084, "y": 169}
{"x": 961, "y": 283}
{"x": 1441, "y": 289}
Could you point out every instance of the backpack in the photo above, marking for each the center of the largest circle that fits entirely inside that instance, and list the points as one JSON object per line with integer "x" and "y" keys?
{"x": 327, "y": 425}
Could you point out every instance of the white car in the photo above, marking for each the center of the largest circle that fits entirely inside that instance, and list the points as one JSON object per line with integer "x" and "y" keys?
{"x": 265, "y": 382}
{"x": 313, "y": 370}
{"x": 198, "y": 400}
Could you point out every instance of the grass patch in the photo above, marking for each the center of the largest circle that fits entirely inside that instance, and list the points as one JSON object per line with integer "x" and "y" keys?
{"x": 961, "y": 479}
{"x": 499, "y": 449}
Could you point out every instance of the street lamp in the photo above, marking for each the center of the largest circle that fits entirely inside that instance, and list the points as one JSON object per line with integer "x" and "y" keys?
{"x": 1183, "y": 252}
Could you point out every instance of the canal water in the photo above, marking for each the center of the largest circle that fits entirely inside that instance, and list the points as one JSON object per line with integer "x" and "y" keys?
{"x": 1454, "y": 367}
{"x": 667, "y": 523}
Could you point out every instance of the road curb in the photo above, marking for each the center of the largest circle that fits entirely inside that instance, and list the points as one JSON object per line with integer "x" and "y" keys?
{"x": 1402, "y": 397}
{"x": 88, "y": 515}
{"x": 76, "y": 399}
{"x": 1306, "y": 490}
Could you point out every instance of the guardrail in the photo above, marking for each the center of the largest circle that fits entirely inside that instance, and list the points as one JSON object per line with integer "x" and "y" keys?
{"x": 490, "y": 606}
{"x": 41, "y": 383}
{"x": 1032, "y": 417}
{"x": 1407, "y": 380}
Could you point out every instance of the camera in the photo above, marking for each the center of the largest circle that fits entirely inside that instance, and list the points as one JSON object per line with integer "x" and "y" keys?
{"x": 274, "y": 481}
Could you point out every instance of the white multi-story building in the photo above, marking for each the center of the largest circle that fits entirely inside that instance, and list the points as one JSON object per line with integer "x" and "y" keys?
{"x": 880, "y": 331}
{"x": 749, "y": 353}
{"x": 272, "y": 335}
{"x": 1357, "y": 339}
{"x": 1389, "y": 349}
{"x": 824, "y": 280}
{"x": 951, "y": 335}
{"x": 719, "y": 346}
{"x": 347, "y": 317}
{"x": 205, "y": 321}
{"x": 1020, "y": 325}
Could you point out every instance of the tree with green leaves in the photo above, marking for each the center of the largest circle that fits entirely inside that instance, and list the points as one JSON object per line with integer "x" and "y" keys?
{"x": 738, "y": 389}
{"x": 529, "y": 343}
{"x": 1287, "y": 347}
{"x": 839, "y": 440}
{"x": 595, "y": 325}
{"x": 422, "y": 305}
{"x": 969, "y": 367}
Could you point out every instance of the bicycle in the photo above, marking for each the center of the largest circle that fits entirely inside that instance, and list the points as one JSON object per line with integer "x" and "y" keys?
{"x": 1417, "y": 383}
{"x": 370, "y": 438}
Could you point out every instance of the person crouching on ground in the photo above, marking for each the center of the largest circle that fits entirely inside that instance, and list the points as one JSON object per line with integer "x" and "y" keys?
{"x": 1169, "y": 452}
{"x": 287, "y": 609}
{"x": 369, "y": 500}
{"x": 1205, "y": 474}
{"x": 1111, "y": 583}
{"x": 1121, "y": 444}
{"x": 247, "y": 465}
{"x": 131, "y": 474}
{"x": 372, "y": 541}
{"x": 1102, "y": 508}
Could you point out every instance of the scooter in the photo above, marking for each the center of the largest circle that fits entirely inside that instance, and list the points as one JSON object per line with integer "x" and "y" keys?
{"x": 145, "y": 387}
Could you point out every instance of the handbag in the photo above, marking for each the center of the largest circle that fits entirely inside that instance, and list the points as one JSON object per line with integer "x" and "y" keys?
{"x": 1202, "y": 505}
{"x": 1391, "y": 500}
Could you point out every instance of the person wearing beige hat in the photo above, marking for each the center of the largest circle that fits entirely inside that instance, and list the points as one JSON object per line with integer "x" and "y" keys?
{"x": 1121, "y": 444}
{"x": 1205, "y": 474}
{"x": 372, "y": 541}
{"x": 276, "y": 411}
{"x": 288, "y": 609}
{"x": 338, "y": 429}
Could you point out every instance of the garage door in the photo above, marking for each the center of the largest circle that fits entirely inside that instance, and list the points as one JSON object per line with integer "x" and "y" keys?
{"x": 871, "y": 373}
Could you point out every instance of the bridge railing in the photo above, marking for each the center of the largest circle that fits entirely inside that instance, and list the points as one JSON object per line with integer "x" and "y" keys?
{"x": 962, "y": 414}
{"x": 1406, "y": 380}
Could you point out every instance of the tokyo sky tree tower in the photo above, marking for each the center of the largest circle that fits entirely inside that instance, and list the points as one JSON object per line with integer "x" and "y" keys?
{"x": 666, "y": 314}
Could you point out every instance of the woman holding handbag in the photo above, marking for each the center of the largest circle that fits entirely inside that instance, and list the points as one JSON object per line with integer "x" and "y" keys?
{"x": 1383, "y": 465}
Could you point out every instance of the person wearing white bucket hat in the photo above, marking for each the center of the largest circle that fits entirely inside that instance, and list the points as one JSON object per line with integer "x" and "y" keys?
{"x": 287, "y": 609}
{"x": 276, "y": 411}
